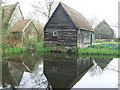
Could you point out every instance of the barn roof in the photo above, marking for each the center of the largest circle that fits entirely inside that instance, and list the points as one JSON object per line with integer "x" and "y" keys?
{"x": 77, "y": 18}
{"x": 103, "y": 28}
{"x": 7, "y": 12}
{"x": 20, "y": 25}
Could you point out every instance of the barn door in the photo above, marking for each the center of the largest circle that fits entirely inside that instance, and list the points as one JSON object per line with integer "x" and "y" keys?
{"x": 82, "y": 37}
{"x": 91, "y": 39}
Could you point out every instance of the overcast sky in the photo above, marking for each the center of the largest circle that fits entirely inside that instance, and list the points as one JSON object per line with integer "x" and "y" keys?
{"x": 100, "y": 9}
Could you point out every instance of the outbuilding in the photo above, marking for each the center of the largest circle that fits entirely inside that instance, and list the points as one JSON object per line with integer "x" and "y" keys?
{"x": 68, "y": 27}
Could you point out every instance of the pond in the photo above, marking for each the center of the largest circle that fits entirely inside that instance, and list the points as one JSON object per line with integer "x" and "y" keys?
{"x": 55, "y": 70}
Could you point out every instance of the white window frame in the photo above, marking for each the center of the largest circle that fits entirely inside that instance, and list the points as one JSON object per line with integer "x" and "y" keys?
{"x": 55, "y": 33}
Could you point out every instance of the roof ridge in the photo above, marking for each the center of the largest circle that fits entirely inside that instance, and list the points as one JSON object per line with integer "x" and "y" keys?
{"x": 11, "y": 4}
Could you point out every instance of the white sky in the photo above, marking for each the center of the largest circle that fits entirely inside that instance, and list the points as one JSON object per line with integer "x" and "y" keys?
{"x": 101, "y": 9}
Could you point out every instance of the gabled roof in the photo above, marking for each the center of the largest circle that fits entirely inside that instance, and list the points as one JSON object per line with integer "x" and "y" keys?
{"x": 79, "y": 21}
{"x": 103, "y": 28}
{"x": 20, "y": 25}
{"x": 7, "y": 12}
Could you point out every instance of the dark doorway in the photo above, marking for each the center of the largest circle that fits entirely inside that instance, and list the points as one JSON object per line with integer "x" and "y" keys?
{"x": 91, "y": 39}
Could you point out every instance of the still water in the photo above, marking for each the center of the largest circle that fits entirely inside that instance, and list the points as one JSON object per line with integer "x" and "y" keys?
{"x": 59, "y": 71}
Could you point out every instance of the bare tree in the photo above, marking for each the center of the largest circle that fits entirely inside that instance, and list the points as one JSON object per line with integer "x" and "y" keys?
{"x": 1, "y": 2}
{"x": 45, "y": 8}
{"x": 93, "y": 21}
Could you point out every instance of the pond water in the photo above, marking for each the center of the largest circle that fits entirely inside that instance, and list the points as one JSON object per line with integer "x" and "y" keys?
{"x": 57, "y": 70}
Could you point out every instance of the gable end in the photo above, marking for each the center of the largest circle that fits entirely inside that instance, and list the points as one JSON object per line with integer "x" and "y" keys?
{"x": 60, "y": 20}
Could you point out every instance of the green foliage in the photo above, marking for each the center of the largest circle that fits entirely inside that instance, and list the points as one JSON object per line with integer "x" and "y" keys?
{"x": 106, "y": 46}
{"x": 5, "y": 26}
{"x": 4, "y": 46}
{"x": 3, "y": 12}
{"x": 40, "y": 47}
{"x": 13, "y": 50}
{"x": 100, "y": 49}
{"x": 93, "y": 51}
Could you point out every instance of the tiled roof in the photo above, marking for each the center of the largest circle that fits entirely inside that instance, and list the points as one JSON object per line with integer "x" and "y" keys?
{"x": 20, "y": 25}
{"x": 7, "y": 12}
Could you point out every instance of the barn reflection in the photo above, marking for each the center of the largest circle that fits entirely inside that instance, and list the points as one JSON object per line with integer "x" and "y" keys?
{"x": 65, "y": 71}
{"x": 51, "y": 70}
{"x": 103, "y": 61}
{"x": 14, "y": 68}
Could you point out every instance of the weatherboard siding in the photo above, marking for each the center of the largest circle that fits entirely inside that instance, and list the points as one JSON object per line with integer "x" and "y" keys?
{"x": 103, "y": 31}
{"x": 60, "y": 20}
{"x": 67, "y": 33}
{"x": 65, "y": 37}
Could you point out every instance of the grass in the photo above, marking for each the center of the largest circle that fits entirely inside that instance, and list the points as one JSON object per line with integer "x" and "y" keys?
{"x": 101, "y": 48}
{"x": 40, "y": 47}
{"x": 94, "y": 51}
{"x": 13, "y": 50}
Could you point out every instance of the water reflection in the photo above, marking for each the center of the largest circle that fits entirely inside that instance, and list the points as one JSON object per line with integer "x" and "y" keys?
{"x": 52, "y": 70}
{"x": 64, "y": 73}
{"x": 10, "y": 75}
{"x": 99, "y": 65}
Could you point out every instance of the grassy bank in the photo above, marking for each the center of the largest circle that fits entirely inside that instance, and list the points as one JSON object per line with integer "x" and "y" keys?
{"x": 13, "y": 50}
{"x": 101, "y": 48}
{"x": 38, "y": 47}
{"x": 94, "y": 51}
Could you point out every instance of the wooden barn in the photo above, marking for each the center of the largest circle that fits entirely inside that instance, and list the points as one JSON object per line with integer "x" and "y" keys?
{"x": 23, "y": 31}
{"x": 104, "y": 32}
{"x": 68, "y": 27}
{"x": 10, "y": 15}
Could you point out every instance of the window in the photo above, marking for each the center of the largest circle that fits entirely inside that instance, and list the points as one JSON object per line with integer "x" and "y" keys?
{"x": 55, "y": 33}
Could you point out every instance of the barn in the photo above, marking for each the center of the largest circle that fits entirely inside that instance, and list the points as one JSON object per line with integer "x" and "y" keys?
{"x": 21, "y": 30}
{"x": 104, "y": 32}
{"x": 69, "y": 28}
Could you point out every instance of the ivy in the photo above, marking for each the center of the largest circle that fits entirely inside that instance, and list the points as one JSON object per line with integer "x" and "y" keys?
{"x": 6, "y": 24}
{"x": 3, "y": 12}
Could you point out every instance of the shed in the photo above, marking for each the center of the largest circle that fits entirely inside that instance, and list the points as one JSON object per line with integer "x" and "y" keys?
{"x": 24, "y": 30}
{"x": 10, "y": 15}
{"x": 68, "y": 27}
{"x": 103, "y": 31}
